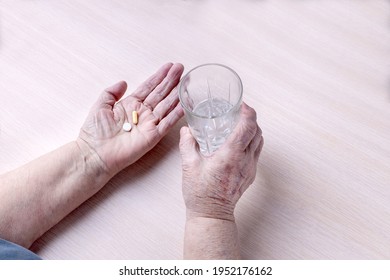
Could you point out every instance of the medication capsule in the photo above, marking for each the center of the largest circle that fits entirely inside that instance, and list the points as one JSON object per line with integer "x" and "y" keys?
{"x": 135, "y": 117}
{"x": 126, "y": 126}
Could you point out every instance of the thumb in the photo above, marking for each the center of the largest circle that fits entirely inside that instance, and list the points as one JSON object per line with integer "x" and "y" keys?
{"x": 112, "y": 94}
{"x": 188, "y": 146}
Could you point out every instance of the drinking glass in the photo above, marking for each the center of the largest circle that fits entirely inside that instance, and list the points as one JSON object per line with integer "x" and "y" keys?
{"x": 211, "y": 95}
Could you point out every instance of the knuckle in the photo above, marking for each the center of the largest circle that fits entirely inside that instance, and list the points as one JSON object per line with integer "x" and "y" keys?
{"x": 249, "y": 112}
{"x": 259, "y": 130}
{"x": 148, "y": 85}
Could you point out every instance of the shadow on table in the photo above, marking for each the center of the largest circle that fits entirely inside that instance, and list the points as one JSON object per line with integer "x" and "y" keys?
{"x": 145, "y": 165}
{"x": 388, "y": 79}
{"x": 257, "y": 218}
{"x": 1, "y": 27}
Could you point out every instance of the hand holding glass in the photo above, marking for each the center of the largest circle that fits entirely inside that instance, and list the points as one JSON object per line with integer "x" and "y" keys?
{"x": 211, "y": 95}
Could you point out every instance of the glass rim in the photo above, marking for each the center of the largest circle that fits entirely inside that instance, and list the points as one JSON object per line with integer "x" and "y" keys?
{"x": 205, "y": 65}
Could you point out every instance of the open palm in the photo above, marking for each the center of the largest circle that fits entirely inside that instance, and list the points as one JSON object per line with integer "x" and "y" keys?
{"x": 158, "y": 109}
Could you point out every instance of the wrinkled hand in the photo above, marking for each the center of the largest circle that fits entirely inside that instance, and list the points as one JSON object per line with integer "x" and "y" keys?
{"x": 156, "y": 102}
{"x": 212, "y": 185}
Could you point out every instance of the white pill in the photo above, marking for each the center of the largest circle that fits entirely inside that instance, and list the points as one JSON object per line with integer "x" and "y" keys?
{"x": 126, "y": 126}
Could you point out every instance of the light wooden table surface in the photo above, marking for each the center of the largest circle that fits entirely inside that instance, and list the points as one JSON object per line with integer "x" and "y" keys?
{"x": 317, "y": 73}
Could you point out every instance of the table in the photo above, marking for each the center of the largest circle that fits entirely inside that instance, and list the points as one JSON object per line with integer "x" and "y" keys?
{"x": 317, "y": 73}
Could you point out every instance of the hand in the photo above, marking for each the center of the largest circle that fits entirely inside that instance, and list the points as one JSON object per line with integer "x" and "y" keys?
{"x": 156, "y": 102}
{"x": 212, "y": 185}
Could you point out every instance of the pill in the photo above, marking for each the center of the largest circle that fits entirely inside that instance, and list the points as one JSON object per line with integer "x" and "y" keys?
{"x": 126, "y": 126}
{"x": 135, "y": 117}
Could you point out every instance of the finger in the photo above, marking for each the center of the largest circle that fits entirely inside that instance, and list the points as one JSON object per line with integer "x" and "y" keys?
{"x": 259, "y": 148}
{"x": 112, "y": 94}
{"x": 254, "y": 144}
{"x": 170, "y": 120}
{"x": 152, "y": 82}
{"x": 167, "y": 105}
{"x": 245, "y": 129}
{"x": 165, "y": 87}
{"x": 189, "y": 150}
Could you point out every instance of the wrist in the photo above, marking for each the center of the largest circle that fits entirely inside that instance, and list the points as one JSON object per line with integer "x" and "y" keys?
{"x": 92, "y": 163}
{"x": 209, "y": 199}
{"x": 209, "y": 238}
{"x": 224, "y": 214}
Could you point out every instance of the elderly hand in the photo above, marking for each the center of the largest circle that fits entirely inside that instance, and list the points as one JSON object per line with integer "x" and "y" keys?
{"x": 212, "y": 185}
{"x": 156, "y": 102}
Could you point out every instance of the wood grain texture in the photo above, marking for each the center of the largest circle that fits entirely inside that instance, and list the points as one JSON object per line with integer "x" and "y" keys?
{"x": 317, "y": 73}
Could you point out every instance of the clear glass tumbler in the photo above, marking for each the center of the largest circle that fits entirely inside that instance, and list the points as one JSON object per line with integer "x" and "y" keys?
{"x": 211, "y": 95}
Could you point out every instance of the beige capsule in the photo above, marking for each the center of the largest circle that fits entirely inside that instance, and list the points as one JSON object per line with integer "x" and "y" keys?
{"x": 135, "y": 117}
